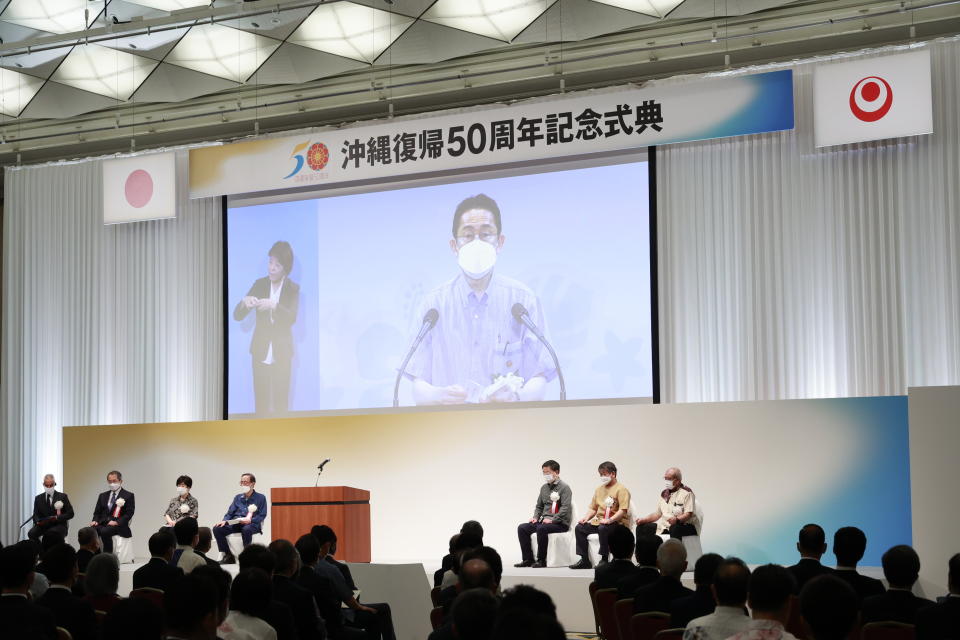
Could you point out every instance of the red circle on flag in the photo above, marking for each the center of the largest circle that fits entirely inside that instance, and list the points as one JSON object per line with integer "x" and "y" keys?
{"x": 871, "y": 98}
{"x": 138, "y": 188}
{"x": 317, "y": 156}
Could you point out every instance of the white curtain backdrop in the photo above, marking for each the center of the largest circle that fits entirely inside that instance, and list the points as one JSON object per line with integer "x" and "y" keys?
{"x": 101, "y": 324}
{"x": 788, "y": 271}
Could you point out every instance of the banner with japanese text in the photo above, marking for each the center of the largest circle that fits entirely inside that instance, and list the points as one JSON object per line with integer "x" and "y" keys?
{"x": 586, "y": 123}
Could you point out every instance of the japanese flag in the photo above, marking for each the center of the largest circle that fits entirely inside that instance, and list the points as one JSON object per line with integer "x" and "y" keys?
{"x": 871, "y": 99}
{"x": 139, "y": 188}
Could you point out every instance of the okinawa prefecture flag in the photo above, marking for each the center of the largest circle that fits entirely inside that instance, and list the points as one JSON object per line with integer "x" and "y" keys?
{"x": 885, "y": 97}
{"x": 140, "y": 188}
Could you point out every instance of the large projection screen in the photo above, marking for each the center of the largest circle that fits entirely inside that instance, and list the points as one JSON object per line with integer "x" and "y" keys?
{"x": 568, "y": 269}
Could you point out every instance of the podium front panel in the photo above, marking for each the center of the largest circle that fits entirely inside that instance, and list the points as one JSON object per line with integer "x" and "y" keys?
{"x": 346, "y": 510}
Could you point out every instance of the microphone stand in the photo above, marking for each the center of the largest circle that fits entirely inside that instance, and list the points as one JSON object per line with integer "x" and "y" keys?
{"x": 20, "y": 528}
{"x": 428, "y": 324}
{"x": 556, "y": 363}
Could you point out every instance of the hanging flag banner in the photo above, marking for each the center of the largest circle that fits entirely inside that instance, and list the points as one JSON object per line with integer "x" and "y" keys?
{"x": 137, "y": 188}
{"x": 566, "y": 126}
{"x": 872, "y": 99}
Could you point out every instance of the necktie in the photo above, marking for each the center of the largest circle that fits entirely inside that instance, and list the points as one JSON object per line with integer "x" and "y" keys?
{"x": 49, "y": 500}
{"x": 113, "y": 495}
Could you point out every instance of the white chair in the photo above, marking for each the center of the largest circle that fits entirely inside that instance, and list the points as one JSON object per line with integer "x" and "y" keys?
{"x": 561, "y": 547}
{"x": 691, "y": 543}
{"x": 593, "y": 540}
{"x": 123, "y": 549}
{"x": 235, "y": 542}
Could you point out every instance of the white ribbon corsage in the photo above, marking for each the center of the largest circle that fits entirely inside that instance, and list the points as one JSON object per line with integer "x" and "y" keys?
{"x": 609, "y": 501}
{"x": 58, "y": 505}
{"x": 184, "y": 508}
{"x": 120, "y": 502}
{"x": 251, "y": 508}
{"x": 554, "y": 496}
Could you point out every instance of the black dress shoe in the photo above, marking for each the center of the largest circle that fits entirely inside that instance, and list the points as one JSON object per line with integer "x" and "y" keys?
{"x": 583, "y": 564}
{"x": 525, "y": 563}
{"x": 538, "y": 565}
{"x": 228, "y": 559}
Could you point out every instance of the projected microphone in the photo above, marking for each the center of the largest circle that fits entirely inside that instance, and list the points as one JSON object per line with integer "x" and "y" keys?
{"x": 429, "y": 322}
{"x": 521, "y": 315}
{"x": 320, "y": 470}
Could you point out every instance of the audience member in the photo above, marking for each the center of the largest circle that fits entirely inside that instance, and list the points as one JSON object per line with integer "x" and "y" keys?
{"x": 729, "y": 586}
{"x": 40, "y": 583}
{"x": 446, "y": 564}
{"x": 609, "y": 508}
{"x": 193, "y": 607}
{"x": 158, "y": 573}
{"x": 20, "y": 617}
{"x": 812, "y": 544}
{"x": 89, "y": 546}
{"x": 474, "y": 613}
{"x": 849, "y": 545}
{"x": 657, "y": 596}
{"x": 101, "y": 582}
{"x": 187, "y": 533}
{"x": 301, "y": 602}
{"x": 901, "y": 567}
{"x": 829, "y": 608}
{"x": 322, "y": 589}
{"x": 942, "y": 620}
{"x": 133, "y": 618}
{"x": 646, "y": 571}
{"x": 527, "y": 598}
{"x": 621, "y": 545}
{"x": 465, "y": 542}
{"x": 278, "y": 614}
{"x": 221, "y": 581}
{"x": 522, "y": 624}
{"x": 204, "y": 542}
{"x": 250, "y": 598}
{"x": 70, "y": 612}
{"x": 768, "y": 597}
{"x": 702, "y": 602}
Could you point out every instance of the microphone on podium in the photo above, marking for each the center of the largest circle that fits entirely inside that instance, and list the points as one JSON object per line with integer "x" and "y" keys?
{"x": 320, "y": 470}
{"x": 429, "y": 322}
{"x": 521, "y": 315}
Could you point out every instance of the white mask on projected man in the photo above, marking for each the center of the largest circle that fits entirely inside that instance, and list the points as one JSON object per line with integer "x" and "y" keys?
{"x": 477, "y": 258}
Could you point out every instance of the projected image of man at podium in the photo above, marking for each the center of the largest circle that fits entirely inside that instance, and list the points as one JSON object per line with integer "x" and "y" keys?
{"x": 478, "y": 351}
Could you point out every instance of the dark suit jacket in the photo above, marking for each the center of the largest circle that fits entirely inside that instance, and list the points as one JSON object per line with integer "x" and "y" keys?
{"x": 280, "y": 618}
{"x": 658, "y": 595}
{"x": 610, "y": 574}
{"x": 325, "y": 596}
{"x": 42, "y": 511}
{"x": 279, "y": 331}
{"x": 156, "y": 574}
{"x": 211, "y": 563}
{"x": 344, "y": 569}
{"x": 301, "y": 605}
{"x": 22, "y": 619}
{"x": 102, "y": 515}
{"x": 896, "y": 605}
{"x": 806, "y": 569}
{"x": 70, "y": 612}
{"x": 83, "y": 559}
{"x": 683, "y": 610}
{"x": 642, "y": 576}
{"x": 940, "y": 622}
{"x": 863, "y": 585}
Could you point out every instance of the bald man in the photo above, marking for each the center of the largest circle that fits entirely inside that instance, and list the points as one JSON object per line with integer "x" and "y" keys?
{"x": 675, "y": 509}
{"x": 51, "y": 510}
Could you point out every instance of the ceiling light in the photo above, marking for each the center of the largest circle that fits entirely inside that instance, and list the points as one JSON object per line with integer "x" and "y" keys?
{"x": 655, "y": 8}
{"x": 171, "y": 5}
{"x": 500, "y": 19}
{"x": 350, "y": 30}
{"x": 53, "y": 16}
{"x": 104, "y": 71}
{"x": 222, "y": 51}
{"x": 16, "y": 91}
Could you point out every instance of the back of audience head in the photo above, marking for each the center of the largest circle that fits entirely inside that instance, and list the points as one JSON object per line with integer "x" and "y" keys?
{"x": 257, "y": 556}
{"x": 133, "y": 618}
{"x": 520, "y": 624}
{"x": 87, "y": 538}
{"x": 324, "y": 535}
{"x": 731, "y": 582}
{"x": 477, "y": 574}
{"x": 769, "y": 592}
{"x": 705, "y": 568}
{"x": 452, "y": 545}
{"x": 490, "y": 556}
{"x": 901, "y": 566}
{"x": 812, "y": 541}
{"x": 849, "y": 545}
{"x": 221, "y": 581}
{"x": 527, "y": 598}
{"x": 672, "y": 558}
{"x": 251, "y": 592}
{"x": 50, "y": 539}
{"x": 204, "y": 539}
{"x": 17, "y": 563}
{"x": 953, "y": 574}
{"x": 60, "y": 564}
{"x": 103, "y": 575}
{"x": 473, "y": 527}
{"x": 621, "y": 543}
{"x": 829, "y": 607}
{"x": 288, "y": 562}
{"x": 473, "y": 613}
{"x": 647, "y": 547}
{"x": 186, "y": 531}
{"x": 309, "y": 549}
{"x": 192, "y": 606}
{"x": 161, "y": 545}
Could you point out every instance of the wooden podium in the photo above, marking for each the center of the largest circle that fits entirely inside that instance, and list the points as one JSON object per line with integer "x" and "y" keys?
{"x": 294, "y": 510}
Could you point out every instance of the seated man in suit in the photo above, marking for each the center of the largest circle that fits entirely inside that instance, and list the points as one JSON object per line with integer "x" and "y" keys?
{"x": 551, "y": 515}
{"x": 114, "y": 510}
{"x": 812, "y": 544}
{"x": 609, "y": 508}
{"x": 768, "y": 597}
{"x": 646, "y": 571}
{"x": 70, "y": 612}
{"x": 828, "y": 606}
{"x": 204, "y": 542}
{"x": 901, "y": 567}
{"x": 730, "y": 582}
{"x": 849, "y": 545}
{"x": 621, "y": 548}
{"x": 51, "y": 511}
{"x": 675, "y": 513}
{"x": 244, "y": 516}
{"x": 158, "y": 573}
{"x": 702, "y": 602}
{"x": 657, "y": 596}
{"x": 286, "y": 590}
{"x": 942, "y": 620}
{"x": 19, "y": 617}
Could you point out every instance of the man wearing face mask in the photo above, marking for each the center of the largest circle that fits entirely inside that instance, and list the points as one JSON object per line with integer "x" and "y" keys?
{"x": 551, "y": 515}
{"x": 245, "y": 516}
{"x": 51, "y": 510}
{"x": 478, "y": 352}
{"x": 675, "y": 509}
{"x": 111, "y": 516}
{"x": 609, "y": 508}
